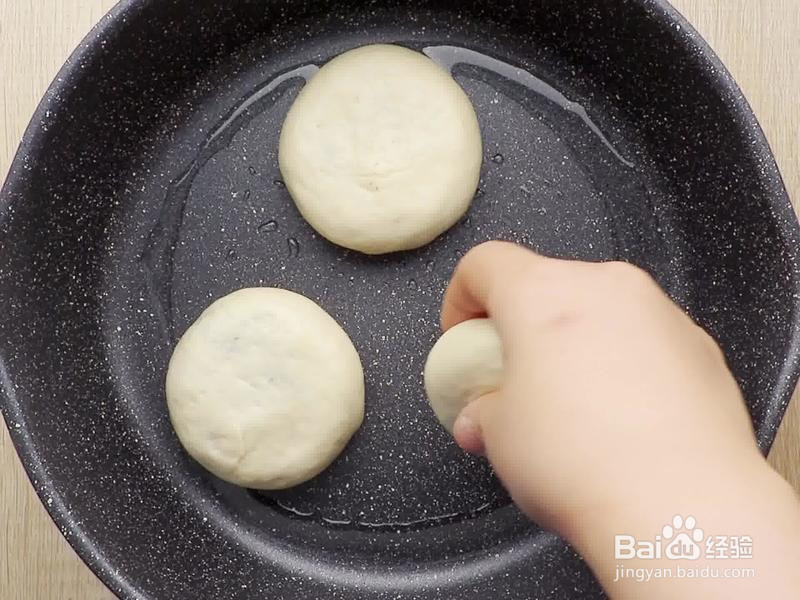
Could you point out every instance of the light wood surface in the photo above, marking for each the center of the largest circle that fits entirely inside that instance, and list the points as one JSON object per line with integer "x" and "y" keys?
{"x": 757, "y": 40}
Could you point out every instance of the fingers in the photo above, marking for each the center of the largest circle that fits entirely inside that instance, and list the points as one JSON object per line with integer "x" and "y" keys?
{"x": 485, "y": 268}
{"x": 484, "y": 282}
{"x": 467, "y": 430}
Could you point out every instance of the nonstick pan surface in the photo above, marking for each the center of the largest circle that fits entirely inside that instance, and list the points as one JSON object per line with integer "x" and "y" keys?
{"x": 147, "y": 186}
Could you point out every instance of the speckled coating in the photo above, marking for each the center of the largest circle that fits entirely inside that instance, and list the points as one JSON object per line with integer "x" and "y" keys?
{"x": 92, "y": 295}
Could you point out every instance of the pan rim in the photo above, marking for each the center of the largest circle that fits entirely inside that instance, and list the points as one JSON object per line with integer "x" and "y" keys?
{"x": 686, "y": 37}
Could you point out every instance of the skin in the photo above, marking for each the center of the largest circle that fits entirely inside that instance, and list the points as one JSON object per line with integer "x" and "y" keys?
{"x": 617, "y": 412}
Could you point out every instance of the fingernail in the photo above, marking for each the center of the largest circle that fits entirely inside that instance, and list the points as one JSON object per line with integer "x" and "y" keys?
{"x": 468, "y": 435}
{"x": 465, "y": 425}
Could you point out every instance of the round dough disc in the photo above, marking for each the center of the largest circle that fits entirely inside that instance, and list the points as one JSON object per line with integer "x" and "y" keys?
{"x": 465, "y": 364}
{"x": 381, "y": 151}
{"x": 265, "y": 389}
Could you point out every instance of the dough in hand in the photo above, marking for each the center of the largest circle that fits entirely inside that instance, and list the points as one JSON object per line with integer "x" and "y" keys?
{"x": 265, "y": 389}
{"x": 465, "y": 364}
{"x": 381, "y": 151}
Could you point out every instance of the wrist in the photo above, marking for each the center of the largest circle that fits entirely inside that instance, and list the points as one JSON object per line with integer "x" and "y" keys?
{"x": 742, "y": 500}
{"x": 734, "y": 490}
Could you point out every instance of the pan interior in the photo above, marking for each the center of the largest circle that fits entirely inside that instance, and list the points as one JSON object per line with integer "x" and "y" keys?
{"x": 554, "y": 179}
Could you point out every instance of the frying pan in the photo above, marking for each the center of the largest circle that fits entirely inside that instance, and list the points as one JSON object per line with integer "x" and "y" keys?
{"x": 147, "y": 186}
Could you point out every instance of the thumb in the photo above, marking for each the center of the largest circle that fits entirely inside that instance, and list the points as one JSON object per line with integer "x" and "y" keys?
{"x": 468, "y": 430}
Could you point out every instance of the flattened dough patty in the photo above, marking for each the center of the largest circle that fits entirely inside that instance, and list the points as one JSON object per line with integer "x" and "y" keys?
{"x": 265, "y": 389}
{"x": 464, "y": 364}
{"x": 381, "y": 151}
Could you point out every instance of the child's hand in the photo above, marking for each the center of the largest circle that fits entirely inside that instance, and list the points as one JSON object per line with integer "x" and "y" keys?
{"x": 616, "y": 413}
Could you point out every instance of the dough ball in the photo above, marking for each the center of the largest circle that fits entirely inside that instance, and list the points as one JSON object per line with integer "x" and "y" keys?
{"x": 382, "y": 150}
{"x": 265, "y": 389}
{"x": 465, "y": 364}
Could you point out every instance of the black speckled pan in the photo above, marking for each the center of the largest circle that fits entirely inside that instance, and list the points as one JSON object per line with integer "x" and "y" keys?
{"x": 147, "y": 186}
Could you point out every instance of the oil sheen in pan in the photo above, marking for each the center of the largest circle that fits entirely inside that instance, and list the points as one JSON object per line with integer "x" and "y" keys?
{"x": 157, "y": 258}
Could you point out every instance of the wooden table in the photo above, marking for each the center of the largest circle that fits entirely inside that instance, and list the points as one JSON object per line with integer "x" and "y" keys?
{"x": 758, "y": 40}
